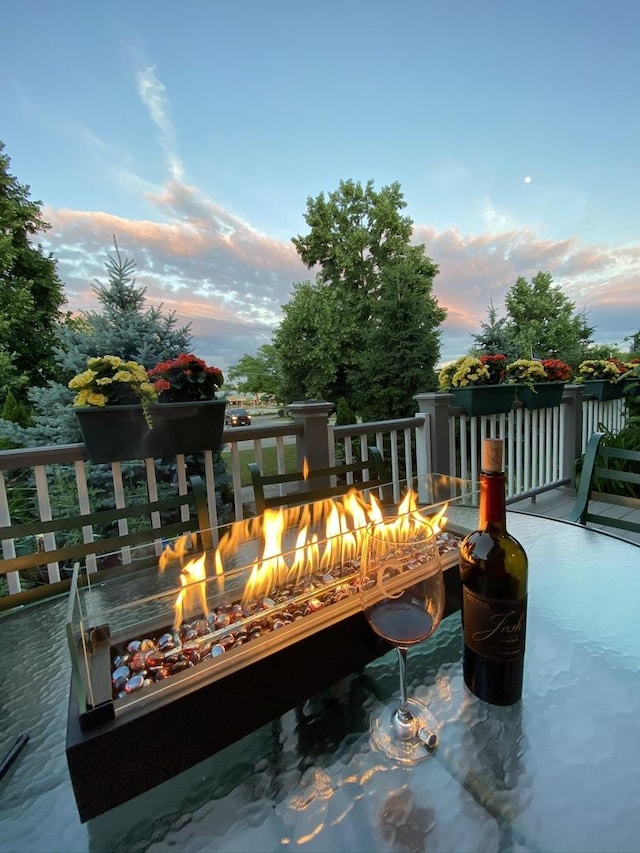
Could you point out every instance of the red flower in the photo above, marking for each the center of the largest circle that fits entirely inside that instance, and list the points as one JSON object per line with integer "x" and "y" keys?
{"x": 496, "y": 365}
{"x": 186, "y": 378}
{"x": 556, "y": 370}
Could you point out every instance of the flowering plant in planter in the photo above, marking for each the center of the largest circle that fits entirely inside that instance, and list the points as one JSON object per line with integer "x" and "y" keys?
{"x": 465, "y": 371}
{"x": 526, "y": 370}
{"x": 496, "y": 364}
{"x": 556, "y": 370}
{"x": 471, "y": 370}
{"x": 111, "y": 381}
{"x": 599, "y": 368}
{"x": 185, "y": 379}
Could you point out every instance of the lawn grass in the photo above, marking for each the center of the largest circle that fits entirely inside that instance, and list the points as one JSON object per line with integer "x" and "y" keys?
{"x": 269, "y": 461}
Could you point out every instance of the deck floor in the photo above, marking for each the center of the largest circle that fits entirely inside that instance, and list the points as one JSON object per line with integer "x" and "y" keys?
{"x": 558, "y": 503}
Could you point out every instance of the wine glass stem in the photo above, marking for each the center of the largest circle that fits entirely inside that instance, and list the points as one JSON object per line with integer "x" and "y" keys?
{"x": 403, "y": 712}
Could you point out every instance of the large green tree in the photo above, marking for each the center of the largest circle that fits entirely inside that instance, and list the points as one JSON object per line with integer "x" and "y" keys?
{"x": 311, "y": 343}
{"x": 31, "y": 294}
{"x": 367, "y": 275}
{"x": 401, "y": 341}
{"x": 543, "y": 322}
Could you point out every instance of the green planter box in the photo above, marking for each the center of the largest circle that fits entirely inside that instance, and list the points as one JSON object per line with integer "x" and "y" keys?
{"x": 485, "y": 399}
{"x": 602, "y": 389}
{"x": 541, "y": 395}
{"x": 116, "y": 433}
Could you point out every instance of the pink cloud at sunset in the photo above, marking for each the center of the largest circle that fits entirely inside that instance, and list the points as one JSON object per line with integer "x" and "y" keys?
{"x": 230, "y": 282}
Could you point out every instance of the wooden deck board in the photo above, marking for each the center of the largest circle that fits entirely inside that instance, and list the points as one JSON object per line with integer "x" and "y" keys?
{"x": 558, "y": 503}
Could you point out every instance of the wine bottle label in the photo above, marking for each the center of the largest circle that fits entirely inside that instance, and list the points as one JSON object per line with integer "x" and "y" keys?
{"x": 494, "y": 628}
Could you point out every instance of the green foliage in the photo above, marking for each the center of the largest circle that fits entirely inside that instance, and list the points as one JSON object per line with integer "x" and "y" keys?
{"x": 257, "y": 374}
{"x": 401, "y": 341}
{"x": 123, "y": 327}
{"x": 31, "y": 294}
{"x": 542, "y": 322}
{"x": 16, "y": 411}
{"x": 344, "y": 413}
{"x": 634, "y": 345}
{"x": 627, "y": 439}
{"x": 367, "y": 329}
{"x": 311, "y": 343}
{"x": 495, "y": 337}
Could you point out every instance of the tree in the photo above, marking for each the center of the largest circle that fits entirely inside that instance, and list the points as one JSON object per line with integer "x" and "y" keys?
{"x": 401, "y": 342}
{"x": 542, "y": 322}
{"x": 31, "y": 294}
{"x": 368, "y": 271}
{"x": 634, "y": 345}
{"x": 496, "y": 336}
{"x": 124, "y": 327}
{"x": 310, "y": 344}
{"x": 256, "y": 374}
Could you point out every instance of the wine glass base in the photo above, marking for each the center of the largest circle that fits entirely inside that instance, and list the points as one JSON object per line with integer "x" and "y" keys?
{"x": 400, "y": 740}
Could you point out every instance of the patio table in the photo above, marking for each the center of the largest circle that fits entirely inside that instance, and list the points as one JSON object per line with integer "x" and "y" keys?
{"x": 559, "y": 771}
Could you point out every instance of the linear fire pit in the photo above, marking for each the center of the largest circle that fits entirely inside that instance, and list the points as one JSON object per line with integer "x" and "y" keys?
{"x": 214, "y": 646}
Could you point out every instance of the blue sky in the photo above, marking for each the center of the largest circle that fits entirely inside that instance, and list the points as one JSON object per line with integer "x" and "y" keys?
{"x": 195, "y": 132}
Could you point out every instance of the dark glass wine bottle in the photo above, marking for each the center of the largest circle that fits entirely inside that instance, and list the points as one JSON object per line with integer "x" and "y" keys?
{"x": 494, "y": 574}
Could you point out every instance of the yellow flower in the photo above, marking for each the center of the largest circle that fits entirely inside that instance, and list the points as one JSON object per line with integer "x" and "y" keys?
{"x": 82, "y": 380}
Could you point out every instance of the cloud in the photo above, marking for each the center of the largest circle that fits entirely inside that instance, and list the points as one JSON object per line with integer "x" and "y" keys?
{"x": 476, "y": 269}
{"x": 151, "y": 92}
{"x": 229, "y": 281}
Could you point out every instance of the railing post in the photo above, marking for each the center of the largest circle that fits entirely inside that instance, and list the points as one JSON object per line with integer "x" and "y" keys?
{"x": 432, "y": 440}
{"x": 313, "y": 444}
{"x": 572, "y": 435}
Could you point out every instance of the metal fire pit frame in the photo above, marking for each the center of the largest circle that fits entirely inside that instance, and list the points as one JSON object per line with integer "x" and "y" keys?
{"x": 109, "y": 758}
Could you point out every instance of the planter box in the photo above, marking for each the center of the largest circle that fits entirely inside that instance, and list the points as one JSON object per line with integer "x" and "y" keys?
{"x": 541, "y": 395}
{"x": 602, "y": 389}
{"x": 485, "y": 399}
{"x": 116, "y": 433}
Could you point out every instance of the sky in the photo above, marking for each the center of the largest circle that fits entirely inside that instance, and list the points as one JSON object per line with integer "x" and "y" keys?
{"x": 195, "y": 132}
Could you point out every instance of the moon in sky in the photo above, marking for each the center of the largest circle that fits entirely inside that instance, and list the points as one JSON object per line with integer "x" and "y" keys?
{"x": 527, "y": 180}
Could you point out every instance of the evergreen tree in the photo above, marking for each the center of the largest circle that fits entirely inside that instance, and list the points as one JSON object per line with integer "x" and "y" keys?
{"x": 14, "y": 410}
{"x": 31, "y": 294}
{"x": 123, "y": 327}
{"x": 495, "y": 337}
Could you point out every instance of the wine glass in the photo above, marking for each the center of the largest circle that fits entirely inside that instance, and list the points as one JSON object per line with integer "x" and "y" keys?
{"x": 403, "y": 597}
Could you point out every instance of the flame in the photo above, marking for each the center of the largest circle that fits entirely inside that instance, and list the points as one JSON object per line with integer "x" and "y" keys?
{"x": 193, "y": 579}
{"x": 305, "y": 469}
{"x": 295, "y": 543}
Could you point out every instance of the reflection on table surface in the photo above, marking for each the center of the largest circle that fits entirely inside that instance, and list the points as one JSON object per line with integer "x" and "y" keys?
{"x": 558, "y": 771}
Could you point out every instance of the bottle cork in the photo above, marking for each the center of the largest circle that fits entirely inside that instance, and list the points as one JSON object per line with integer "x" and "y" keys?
{"x": 492, "y": 450}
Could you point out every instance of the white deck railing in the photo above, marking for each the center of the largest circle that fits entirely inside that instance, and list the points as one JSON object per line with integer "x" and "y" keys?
{"x": 541, "y": 449}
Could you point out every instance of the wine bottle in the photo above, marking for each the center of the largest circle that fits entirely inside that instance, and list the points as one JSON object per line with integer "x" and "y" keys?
{"x": 494, "y": 574}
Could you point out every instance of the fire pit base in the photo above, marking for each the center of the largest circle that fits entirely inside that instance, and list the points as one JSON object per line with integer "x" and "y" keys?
{"x": 131, "y": 754}
{"x": 154, "y": 741}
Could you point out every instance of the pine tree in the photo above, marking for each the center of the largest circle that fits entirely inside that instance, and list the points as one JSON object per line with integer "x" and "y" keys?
{"x": 123, "y": 327}
{"x": 31, "y": 294}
